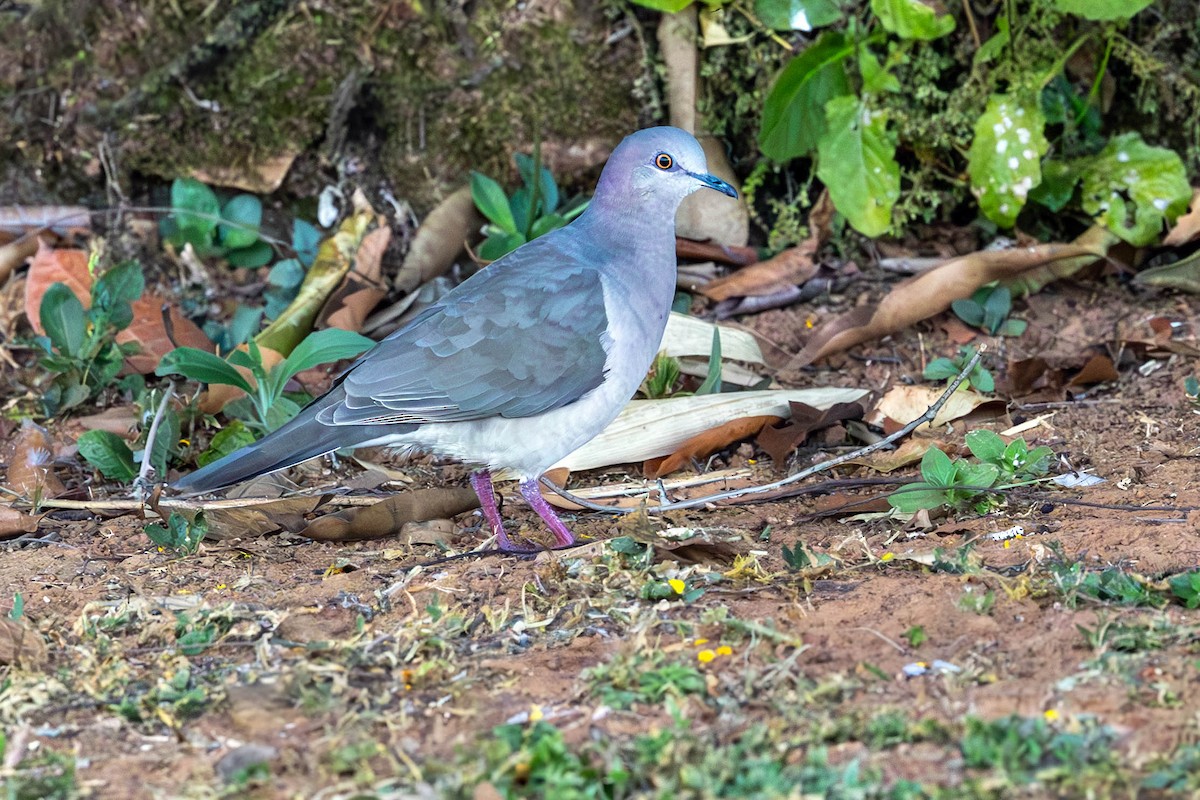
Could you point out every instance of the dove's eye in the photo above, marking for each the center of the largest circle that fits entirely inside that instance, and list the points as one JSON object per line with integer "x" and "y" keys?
{"x": 664, "y": 161}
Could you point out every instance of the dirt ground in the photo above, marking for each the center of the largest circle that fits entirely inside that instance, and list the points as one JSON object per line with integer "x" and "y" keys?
{"x": 280, "y": 667}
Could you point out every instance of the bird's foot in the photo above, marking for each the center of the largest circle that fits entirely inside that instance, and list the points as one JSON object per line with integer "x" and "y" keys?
{"x": 481, "y": 482}
{"x": 533, "y": 496}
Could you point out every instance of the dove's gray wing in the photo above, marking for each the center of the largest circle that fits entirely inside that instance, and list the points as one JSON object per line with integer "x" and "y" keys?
{"x": 524, "y": 336}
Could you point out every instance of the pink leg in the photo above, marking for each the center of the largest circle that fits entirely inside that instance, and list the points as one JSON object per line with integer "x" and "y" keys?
{"x": 481, "y": 482}
{"x": 533, "y": 496}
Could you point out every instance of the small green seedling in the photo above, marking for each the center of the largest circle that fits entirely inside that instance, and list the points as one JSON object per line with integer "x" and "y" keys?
{"x": 1016, "y": 462}
{"x": 947, "y": 369}
{"x": 945, "y": 483}
{"x": 265, "y": 407}
{"x": 1191, "y": 388}
{"x": 180, "y": 535}
{"x": 988, "y": 309}
{"x": 1186, "y": 588}
{"x": 80, "y": 345}
{"x": 533, "y": 210}
{"x": 230, "y": 231}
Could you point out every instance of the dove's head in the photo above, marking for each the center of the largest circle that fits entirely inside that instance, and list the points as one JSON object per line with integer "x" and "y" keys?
{"x": 656, "y": 166}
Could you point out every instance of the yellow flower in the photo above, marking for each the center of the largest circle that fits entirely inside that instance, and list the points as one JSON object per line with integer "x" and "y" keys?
{"x": 699, "y": 642}
{"x": 706, "y": 656}
{"x": 535, "y": 713}
{"x": 1051, "y": 715}
{"x": 724, "y": 650}
{"x": 677, "y": 585}
{"x": 887, "y": 556}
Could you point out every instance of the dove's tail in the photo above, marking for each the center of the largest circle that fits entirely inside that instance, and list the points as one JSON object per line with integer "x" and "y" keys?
{"x": 300, "y": 439}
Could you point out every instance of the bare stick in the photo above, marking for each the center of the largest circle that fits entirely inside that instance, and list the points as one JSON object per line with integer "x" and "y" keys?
{"x": 695, "y": 502}
{"x": 144, "y": 485}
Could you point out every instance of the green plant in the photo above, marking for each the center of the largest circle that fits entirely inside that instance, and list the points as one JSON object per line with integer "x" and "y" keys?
{"x": 642, "y": 678}
{"x": 947, "y": 369}
{"x": 180, "y": 534}
{"x": 1191, "y": 388}
{"x": 80, "y": 346}
{"x": 946, "y": 483}
{"x": 18, "y": 607}
{"x": 1186, "y": 587}
{"x": 265, "y": 407}
{"x": 1028, "y": 749}
{"x": 661, "y": 379}
{"x": 916, "y": 635}
{"x": 1181, "y": 773}
{"x": 801, "y": 558}
{"x": 113, "y": 457}
{"x": 1015, "y": 461}
{"x": 46, "y": 775}
{"x": 988, "y": 309}
{"x": 229, "y": 230}
{"x": 533, "y": 210}
{"x": 977, "y": 602}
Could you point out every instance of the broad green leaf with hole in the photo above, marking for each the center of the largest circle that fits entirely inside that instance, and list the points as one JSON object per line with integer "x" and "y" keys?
{"x": 796, "y": 15}
{"x": 793, "y": 120}
{"x": 1004, "y": 161}
{"x": 1132, "y": 188}
{"x": 492, "y": 202}
{"x": 244, "y": 211}
{"x": 202, "y": 366}
{"x": 912, "y": 19}
{"x": 857, "y": 163}
{"x": 108, "y": 453}
{"x": 1103, "y": 10}
{"x": 63, "y": 319}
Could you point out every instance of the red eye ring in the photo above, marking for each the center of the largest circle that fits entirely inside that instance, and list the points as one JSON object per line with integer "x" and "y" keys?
{"x": 664, "y": 161}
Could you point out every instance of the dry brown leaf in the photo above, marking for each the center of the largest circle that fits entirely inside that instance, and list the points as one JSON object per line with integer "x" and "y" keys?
{"x": 910, "y": 452}
{"x": 439, "y": 239}
{"x": 1186, "y": 227}
{"x": 704, "y": 444}
{"x": 362, "y": 288}
{"x": 149, "y": 332}
{"x": 14, "y": 522}
{"x": 121, "y": 420}
{"x": 52, "y": 265}
{"x": 388, "y": 517}
{"x": 780, "y": 440}
{"x": 20, "y": 646}
{"x": 1098, "y": 369}
{"x": 30, "y": 457}
{"x": 789, "y": 268}
{"x": 13, "y": 254}
{"x": 930, "y": 293}
{"x": 691, "y": 250}
{"x": 245, "y": 522}
{"x": 903, "y": 404}
{"x": 263, "y": 177}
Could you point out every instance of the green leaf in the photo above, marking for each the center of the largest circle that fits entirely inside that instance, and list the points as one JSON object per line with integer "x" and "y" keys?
{"x": 547, "y": 188}
{"x": 937, "y": 469}
{"x": 258, "y": 254}
{"x": 712, "y": 381}
{"x": 977, "y": 476}
{"x": 73, "y": 395}
{"x": 245, "y": 211}
{"x": 108, "y": 453}
{"x": 320, "y": 347}
{"x": 876, "y": 78}
{"x": 546, "y": 224}
{"x": 796, "y": 15}
{"x": 499, "y": 245}
{"x": 969, "y": 311}
{"x": 282, "y": 410}
{"x": 202, "y": 366}
{"x": 916, "y": 496}
{"x": 996, "y": 307}
{"x": 18, "y": 611}
{"x": 985, "y": 445}
{"x": 306, "y": 240}
{"x": 1102, "y": 9}
{"x": 669, "y": 6}
{"x": 286, "y": 274}
{"x": 121, "y": 284}
{"x": 1004, "y": 161}
{"x": 63, "y": 319}
{"x": 940, "y": 369}
{"x": 857, "y": 164}
{"x": 1012, "y": 327}
{"x": 197, "y": 227}
{"x": 981, "y": 379}
{"x": 229, "y": 439}
{"x": 492, "y": 202}
{"x": 1057, "y": 186}
{"x": 1133, "y": 188}
{"x": 912, "y": 19}
{"x": 994, "y": 46}
{"x": 793, "y": 120}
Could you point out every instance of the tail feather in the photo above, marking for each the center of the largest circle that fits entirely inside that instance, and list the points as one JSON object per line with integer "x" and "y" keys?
{"x": 298, "y": 440}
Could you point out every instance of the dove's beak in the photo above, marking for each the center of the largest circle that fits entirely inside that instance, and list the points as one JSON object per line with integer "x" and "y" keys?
{"x": 713, "y": 182}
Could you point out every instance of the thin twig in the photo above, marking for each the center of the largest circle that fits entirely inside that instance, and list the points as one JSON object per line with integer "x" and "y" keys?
{"x": 144, "y": 485}
{"x": 696, "y": 502}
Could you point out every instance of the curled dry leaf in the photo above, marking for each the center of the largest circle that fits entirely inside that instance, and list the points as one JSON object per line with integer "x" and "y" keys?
{"x": 439, "y": 240}
{"x": 388, "y": 517}
{"x": 931, "y": 293}
{"x": 1187, "y": 227}
{"x": 789, "y": 268}
{"x": 14, "y": 522}
{"x": 779, "y": 441}
{"x": 121, "y": 420}
{"x": 362, "y": 288}
{"x": 903, "y": 404}
{"x": 30, "y": 457}
{"x": 13, "y": 254}
{"x": 691, "y": 250}
{"x": 249, "y": 521}
{"x": 705, "y": 444}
